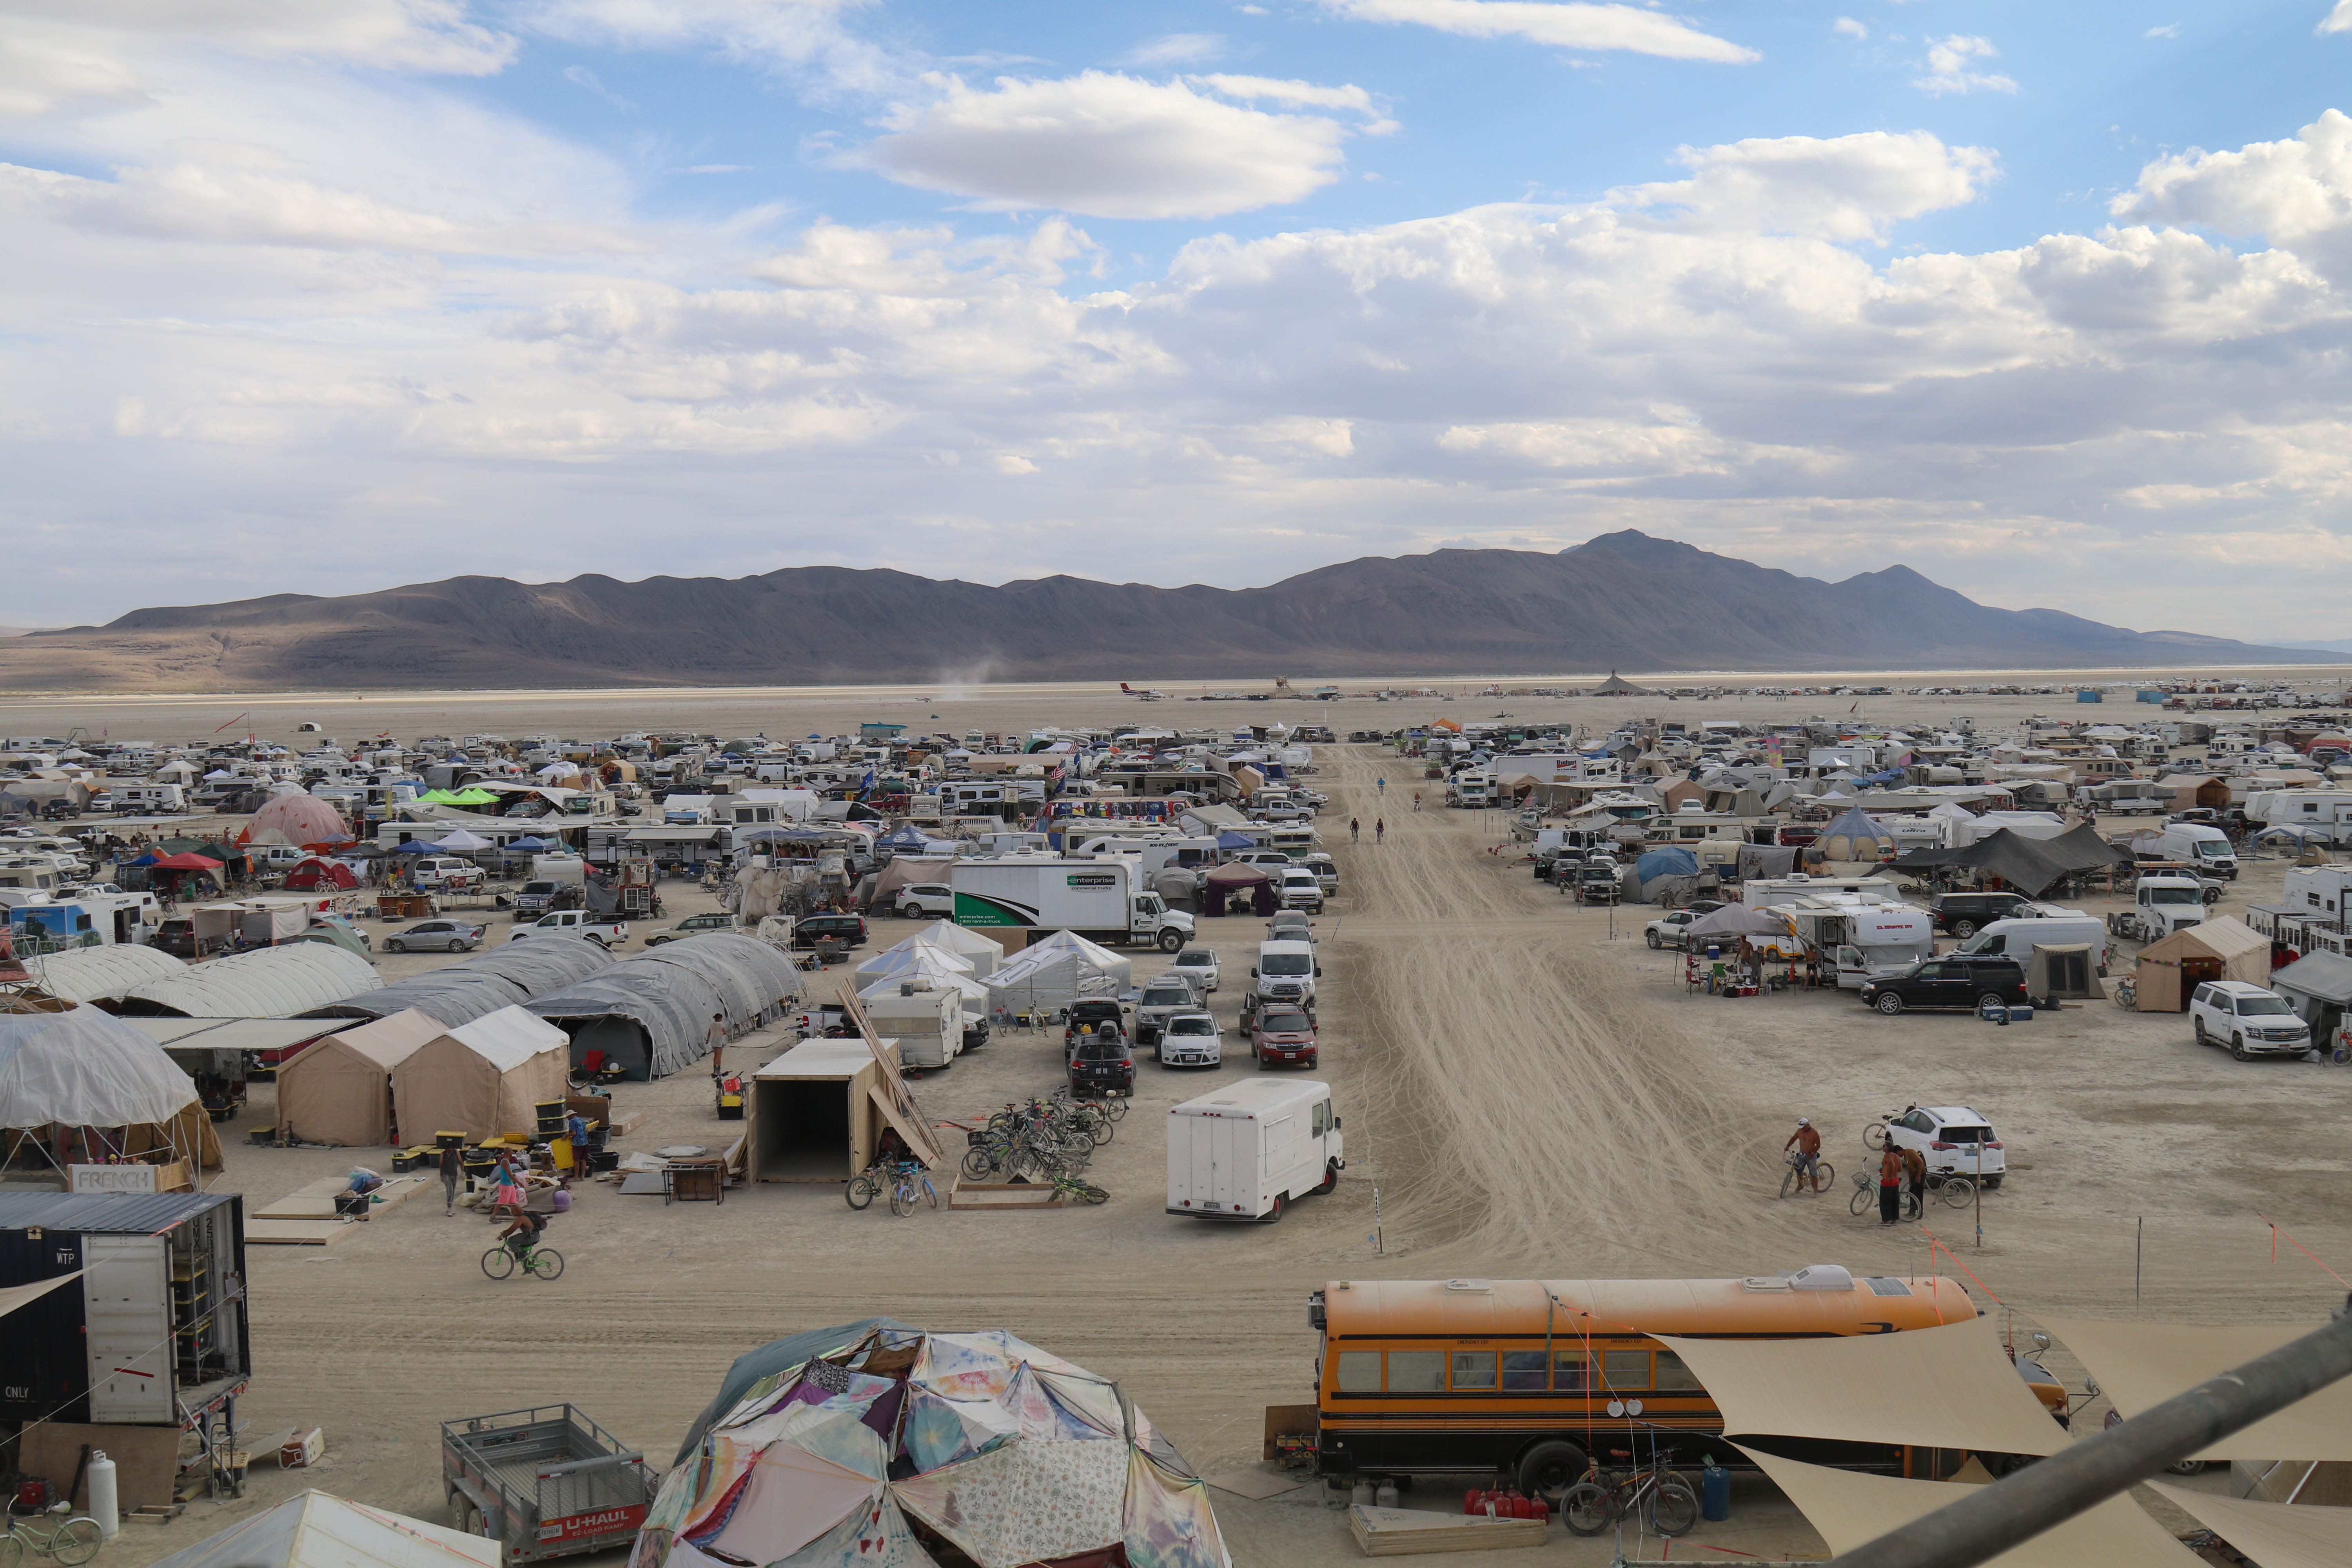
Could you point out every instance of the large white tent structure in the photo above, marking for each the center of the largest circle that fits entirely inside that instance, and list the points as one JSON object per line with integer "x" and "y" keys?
{"x": 314, "y": 1529}
{"x": 1062, "y": 968}
{"x": 82, "y": 1069}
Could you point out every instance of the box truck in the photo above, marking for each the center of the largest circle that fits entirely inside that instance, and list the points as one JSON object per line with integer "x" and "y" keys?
{"x": 1104, "y": 899}
{"x": 1245, "y": 1151}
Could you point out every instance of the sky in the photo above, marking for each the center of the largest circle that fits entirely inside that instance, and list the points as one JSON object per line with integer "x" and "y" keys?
{"x": 2048, "y": 302}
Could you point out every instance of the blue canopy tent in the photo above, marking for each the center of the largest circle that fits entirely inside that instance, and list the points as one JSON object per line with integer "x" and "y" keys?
{"x": 529, "y": 845}
{"x": 1231, "y": 840}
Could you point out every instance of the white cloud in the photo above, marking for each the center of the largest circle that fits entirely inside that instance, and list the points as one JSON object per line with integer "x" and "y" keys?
{"x": 581, "y": 77}
{"x": 2169, "y": 31}
{"x": 1300, "y": 93}
{"x": 1948, "y": 68}
{"x": 1568, "y": 25}
{"x": 1847, "y": 27}
{"x": 2338, "y": 20}
{"x": 1841, "y": 188}
{"x": 1103, "y": 145}
{"x": 1178, "y": 49}
{"x": 2298, "y": 193}
{"x": 803, "y": 39}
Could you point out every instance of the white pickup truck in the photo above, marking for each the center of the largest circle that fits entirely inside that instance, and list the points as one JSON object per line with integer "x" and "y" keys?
{"x": 602, "y": 930}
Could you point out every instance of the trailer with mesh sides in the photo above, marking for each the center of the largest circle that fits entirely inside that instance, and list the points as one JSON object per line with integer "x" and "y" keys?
{"x": 547, "y": 1482}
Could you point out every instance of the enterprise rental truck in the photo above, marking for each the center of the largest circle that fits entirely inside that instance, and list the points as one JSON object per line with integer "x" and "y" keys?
{"x": 1103, "y": 899}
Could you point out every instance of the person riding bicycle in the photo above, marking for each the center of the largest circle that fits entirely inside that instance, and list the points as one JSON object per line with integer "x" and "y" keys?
{"x": 523, "y": 1234}
{"x": 1807, "y": 1141}
{"x": 1380, "y": 830}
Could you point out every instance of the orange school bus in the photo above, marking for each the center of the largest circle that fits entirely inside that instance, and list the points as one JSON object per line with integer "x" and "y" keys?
{"x": 1516, "y": 1376}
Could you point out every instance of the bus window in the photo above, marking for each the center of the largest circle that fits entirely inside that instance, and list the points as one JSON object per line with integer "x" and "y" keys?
{"x": 1360, "y": 1371}
{"x": 1523, "y": 1369}
{"x": 1474, "y": 1369}
{"x": 1416, "y": 1372}
{"x": 1623, "y": 1370}
{"x": 1673, "y": 1375}
{"x": 1568, "y": 1370}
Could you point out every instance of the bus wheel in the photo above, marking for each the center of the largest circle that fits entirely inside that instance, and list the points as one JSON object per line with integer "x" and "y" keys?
{"x": 1548, "y": 1469}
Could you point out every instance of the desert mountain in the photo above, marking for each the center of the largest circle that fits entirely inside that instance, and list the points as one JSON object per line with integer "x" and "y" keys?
{"x": 1623, "y": 601}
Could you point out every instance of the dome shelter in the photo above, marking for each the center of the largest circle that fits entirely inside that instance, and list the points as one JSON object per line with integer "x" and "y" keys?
{"x": 298, "y": 819}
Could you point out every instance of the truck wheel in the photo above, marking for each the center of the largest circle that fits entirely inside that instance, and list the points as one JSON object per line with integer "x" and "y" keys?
{"x": 1330, "y": 1177}
{"x": 1170, "y": 940}
{"x": 2237, "y": 1048}
{"x": 1274, "y": 1215}
{"x": 1964, "y": 929}
{"x": 1655, "y": 941}
{"x": 2197, "y": 1028}
{"x": 1548, "y": 1469}
{"x": 1890, "y": 1004}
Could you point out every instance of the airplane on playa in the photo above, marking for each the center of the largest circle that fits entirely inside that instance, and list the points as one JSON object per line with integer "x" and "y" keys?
{"x": 1148, "y": 696}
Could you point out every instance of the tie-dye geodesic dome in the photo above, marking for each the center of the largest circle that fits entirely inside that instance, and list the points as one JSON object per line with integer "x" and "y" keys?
{"x": 901, "y": 1448}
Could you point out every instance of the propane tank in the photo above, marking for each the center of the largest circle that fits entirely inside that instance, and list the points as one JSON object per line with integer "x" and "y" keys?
{"x": 102, "y": 1503}
{"x": 1363, "y": 1491}
{"x": 1387, "y": 1496}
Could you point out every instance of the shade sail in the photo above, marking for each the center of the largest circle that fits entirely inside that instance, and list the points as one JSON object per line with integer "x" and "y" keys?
{"x": 1850, "y": 1509}
{"x": 2141, "y": 1365}
{"x": 2274, "y": 1535}
{"x": 16, "y": 1296}
{"x": 1959, "y": 1389}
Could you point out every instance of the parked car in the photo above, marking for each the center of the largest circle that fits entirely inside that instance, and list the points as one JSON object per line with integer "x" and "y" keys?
{"x": 1299, "y": 889}
{"x": 444, "y": 873}
{"x": 924, "y": 900}
{"x": 1960, "y": 914}
{"x": 1964, "y": 983}
{"x": 1953, "y": 1138}
{"x": 602, "y": 930}
{"x": 435, "y": 936}
{"x": 1666, "y": 931}
{"x": 1192, "y": 1039}
{"x": 1090, "y": 1013}
{"x": 849, "y": 929}
{"x": 176, "y": 937}
{"x": 1200, "y": 962}
{"x": 1102, "y": 1066}
{"x": 1290, "y": 925}
{"x": 537, "y": 897}
{"x": 693, "y": 925}
{"x": 2251, "y": 1021}
{"x": 1161, "y": 1001}
{"x": 1282, "y": 1035}
{"x": 60, "y": 810}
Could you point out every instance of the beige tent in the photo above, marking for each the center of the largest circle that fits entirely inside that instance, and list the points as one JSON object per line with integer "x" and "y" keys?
{"x": 2223, "y": 949}
{"x": 481, "y": 1078}
{"x": 339, "y": 1090}
{"x": 1850, "y": 1509}
{"x": 2274, "y": 1534}
{"x": 2141, "y": 1365}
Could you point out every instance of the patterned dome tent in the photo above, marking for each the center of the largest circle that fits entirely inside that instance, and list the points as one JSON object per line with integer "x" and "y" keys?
{"x": 296, "y": 819}
{"x": 888, "y": 1442}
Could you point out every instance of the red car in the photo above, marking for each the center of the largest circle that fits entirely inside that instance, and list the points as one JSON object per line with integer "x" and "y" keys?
{"x": 1282, "y": 1035}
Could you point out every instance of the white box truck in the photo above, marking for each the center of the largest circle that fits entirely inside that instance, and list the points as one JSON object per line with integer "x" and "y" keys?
{"x": 1104, "y": 899}
{"x": 1247, "y": 1149}
{"x": 928, "y": 1024}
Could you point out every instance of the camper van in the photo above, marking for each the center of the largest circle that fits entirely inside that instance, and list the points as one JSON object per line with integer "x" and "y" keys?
{"x": 2016, "y": 939}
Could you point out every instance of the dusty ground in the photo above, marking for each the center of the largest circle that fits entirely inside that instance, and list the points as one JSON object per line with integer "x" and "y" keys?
{"x": 1527, "y": 1088}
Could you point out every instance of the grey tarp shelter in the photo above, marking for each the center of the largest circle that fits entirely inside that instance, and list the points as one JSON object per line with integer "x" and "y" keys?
{"x": 480, "y": 983}
{"x": 2320, "y": 987}
{"x": 2031, "y": 865}
{"x": 651, "y": 1012}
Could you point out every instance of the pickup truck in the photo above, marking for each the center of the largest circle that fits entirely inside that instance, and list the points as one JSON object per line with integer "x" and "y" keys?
{"x": 603, "y": 930}
{"x": 537, "y": 897}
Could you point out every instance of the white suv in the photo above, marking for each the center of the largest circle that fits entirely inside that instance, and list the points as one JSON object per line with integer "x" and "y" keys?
{"x": 1954, "y": 1140}
{"x": 1300, "y": 890}
{"x": 924, "y": 900}
{"x": 2251, "y": 1021}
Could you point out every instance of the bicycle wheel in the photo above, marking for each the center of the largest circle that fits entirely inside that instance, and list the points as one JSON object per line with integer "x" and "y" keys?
{"x": 1914, "y": 1205}
{"x": 547, "y": 1263}
{"x": 1083, "y": 1194}
{"x": 1960, "y": 1192}
{"x": 902, "y": 1199}
{"x": 1674, "y": 1507}
{"x": 77, "y": 1539}
{"x": 1873, "y": 1137}
{"x": 1587, "y": 1509}
{"x": 1116, "y": 1109}
{"x": 1099, "y": 1128}
{"x": 12, "y": 1549}
{"x": 1787, "y": 1183}
{"x": 1865, "y": 1200}
{"x": 977, "y": 1163}
{"x": 860, "y": 1189}
{"x": 498, "y": 1263}
{"x": 930, "y": 1193}
{"x": 1829, "y": 1175}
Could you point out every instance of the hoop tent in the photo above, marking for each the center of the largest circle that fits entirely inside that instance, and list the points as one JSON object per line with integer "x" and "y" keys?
{"x": 340, "y": 1090}
{"x": 651, "y": 1012}
{"x": 906, "y": 1449}
{"x": 273, "y": 982}
{"x": 102, "y": 973}
{"x": 480, "y": 982}
{"x": 484, "y": 1077}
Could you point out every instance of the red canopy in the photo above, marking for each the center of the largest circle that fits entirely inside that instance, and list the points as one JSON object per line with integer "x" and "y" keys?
{"x": 186, "y": 862}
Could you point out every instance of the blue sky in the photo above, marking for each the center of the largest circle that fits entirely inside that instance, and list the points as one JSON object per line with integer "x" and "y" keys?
{"x": 2049, "y": 302}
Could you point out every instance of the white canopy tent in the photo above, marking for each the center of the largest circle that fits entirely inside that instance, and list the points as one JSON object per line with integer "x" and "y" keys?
{"x": 983, "y": 953}
{"x": 317, "y": 1530}
{"x": 912, "y": 954}
{"x": 1059, "y": 971}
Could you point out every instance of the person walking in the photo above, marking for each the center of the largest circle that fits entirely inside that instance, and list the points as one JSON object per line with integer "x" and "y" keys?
{"x": 1355, "y": 830}
{"x": 1915, "y": 1175}
{"x": 1416, "y": 800}
{"x": 1379, "y": 830}
{"x": 1807, "y": 1141}
{"x": 453, "y": 1165}
{"x": 508, "y": 1198}
{"x": 1383, "y": 786}
{"x": 1890, "y": 1184}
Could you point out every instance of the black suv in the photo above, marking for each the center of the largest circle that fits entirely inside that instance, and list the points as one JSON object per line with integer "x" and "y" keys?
{"x": 849, "y": 929}
{"x": 1949, "y": 983}
{"x": 1963, "y": 914}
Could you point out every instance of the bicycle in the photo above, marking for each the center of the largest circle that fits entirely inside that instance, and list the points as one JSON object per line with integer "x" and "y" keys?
{"x": 1794, "y": 1179}
{"x": 862, "y": 1189}
{"x": 547, "y": 1263}
{"x": 1071, "y": 1187}
{"x": 1865, "y": 1198}
{"x": 75, "y": 1538}
{"x": 913, "y": 1185}
{"x": 1650, "y": 1492}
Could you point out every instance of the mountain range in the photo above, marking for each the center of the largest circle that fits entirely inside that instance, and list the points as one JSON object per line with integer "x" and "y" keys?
{"x": 1622, "y": 601}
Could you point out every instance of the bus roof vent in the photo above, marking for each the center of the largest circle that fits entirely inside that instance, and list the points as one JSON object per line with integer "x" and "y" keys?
{"x": 1766, "y": 1282}
{"x": 1821, "y": 1276}
{"x": 1469, "y": 1287}
{"x": 1887, "y": 1287}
